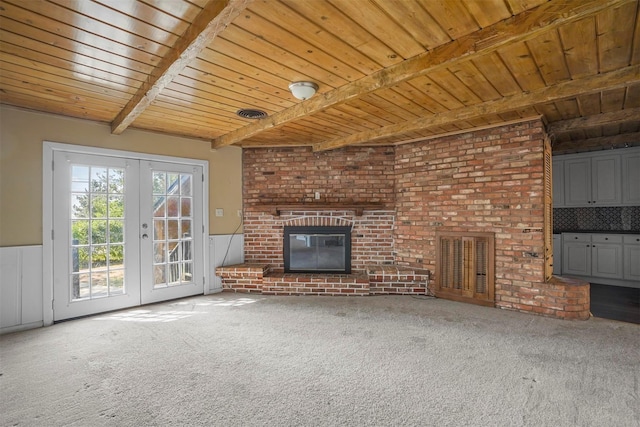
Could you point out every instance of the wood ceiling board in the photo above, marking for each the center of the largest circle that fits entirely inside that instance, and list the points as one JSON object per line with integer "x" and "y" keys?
{"x": 254, "y": 50}
{"x": 629, "y": 127}
{"x": 410, "y": 92}
{"x": 88, "y": 25}
{"x": 568, "y": 108}
{"x": 224, "y": 99}
{"x": 115, "y": 18}
{"x": 436, "y": 92}
{"x": 580, "y": 46}
{"x": 354, "y": 110}
{"x": 415, "y": 19}
{"x": 452, "y": 17}
{"x": 47, "y": 73}
{"x": 613, "y": 99}
{"x": 456, "y": 88}
{"x": 19, "y": 54}
{"x": 398, "y": 98}
{"x": 518, "y": 59}
{"x": 47, "y": 81}
{"x": 632, "y": 98}
{"x": 151, "y": 15}
{"x": 488, "y": 12}
{"x": 199, "y": 108}
{"x": 315, "y": 36}
{"x": 392, "y": 111}
{"x": 549, "y": 57}
{"x": 73, "y": 49}
{"x": 282, "y": 39}
{"x": 50, "y": 100}
{"x": 49, "y": 106}
{"x": 493, "y": 68}
{"x": 214, "y": 63}
{"x": 27, "y": 45}
{"x": 615, "y": 28}
{"x": 335, "y": 22}
{"x": 366, "y": 111}
{"x": 379, "y": 24}
{"x": 519, "y": 6}
{"x": 337, "y": 119}
{"x": 34, "y": 25}
{"x": 473, "y": 78}
{"x": 186, "y": 10}
{"x": 167, "y": 117}
{"x": 589, "y": 104}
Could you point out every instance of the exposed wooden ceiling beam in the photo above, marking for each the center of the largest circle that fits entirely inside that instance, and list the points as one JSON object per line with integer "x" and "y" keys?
{"x": 213, "y": 19}
{"x": 521, "y": 27}
{"x": 567, "y": 89}
{"x": 600, "y": 143}
{"x": 612, "y": 118}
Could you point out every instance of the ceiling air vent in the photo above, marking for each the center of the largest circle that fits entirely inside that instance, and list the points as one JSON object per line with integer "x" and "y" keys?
{"x": 251, "y": 114}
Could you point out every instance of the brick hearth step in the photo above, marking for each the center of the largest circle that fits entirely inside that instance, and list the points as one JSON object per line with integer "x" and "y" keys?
{"x": 315, "y": 284}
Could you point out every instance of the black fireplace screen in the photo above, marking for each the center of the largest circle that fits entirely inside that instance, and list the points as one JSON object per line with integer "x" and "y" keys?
{"x": 317, "y": 249}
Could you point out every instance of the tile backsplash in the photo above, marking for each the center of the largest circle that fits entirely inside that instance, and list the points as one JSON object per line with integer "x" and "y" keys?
{"x": 625, "y": 218}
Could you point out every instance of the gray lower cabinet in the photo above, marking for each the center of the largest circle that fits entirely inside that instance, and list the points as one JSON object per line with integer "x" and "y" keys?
{"x": 576, "y": 254}
{"x": 606, "y": 256}
{"x": 609, "y": 256}
{"x": 631, "y": 250}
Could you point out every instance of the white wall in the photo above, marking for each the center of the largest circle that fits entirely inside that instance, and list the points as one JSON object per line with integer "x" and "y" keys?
{"x": 20, "y": 288}
{"x": 224, "y": 249}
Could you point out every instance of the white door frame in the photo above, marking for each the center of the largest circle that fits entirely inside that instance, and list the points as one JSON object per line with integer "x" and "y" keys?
{"x": 48, "y": 149}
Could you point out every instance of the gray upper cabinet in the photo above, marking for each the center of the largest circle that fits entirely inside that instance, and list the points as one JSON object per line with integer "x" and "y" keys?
{"x": 631, "y": 179}
{"x": 558, "y": 182}
{"x": 610, "y": 178}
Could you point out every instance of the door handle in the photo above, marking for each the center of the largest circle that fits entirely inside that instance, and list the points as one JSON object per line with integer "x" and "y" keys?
{"x": 145, "y": 236}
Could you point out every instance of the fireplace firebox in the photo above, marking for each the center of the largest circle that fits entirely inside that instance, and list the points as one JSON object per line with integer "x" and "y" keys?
{"x": 317, "y": 249}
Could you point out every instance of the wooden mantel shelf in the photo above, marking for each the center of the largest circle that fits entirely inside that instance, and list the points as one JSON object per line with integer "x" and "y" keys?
{"x": 357, "y": 207}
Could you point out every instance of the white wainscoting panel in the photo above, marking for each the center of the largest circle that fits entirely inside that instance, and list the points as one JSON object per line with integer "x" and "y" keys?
{"x": 20, "y": 288}
{"x": 227, "y": 249}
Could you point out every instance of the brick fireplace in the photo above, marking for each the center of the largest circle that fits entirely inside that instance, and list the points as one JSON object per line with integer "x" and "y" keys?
{"x": 395, "y": 199}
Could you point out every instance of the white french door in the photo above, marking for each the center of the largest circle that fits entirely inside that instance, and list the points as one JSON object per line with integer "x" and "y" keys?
{"x": 126, "y": 232}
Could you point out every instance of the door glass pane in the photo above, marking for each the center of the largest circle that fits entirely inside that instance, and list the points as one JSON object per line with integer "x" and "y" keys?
{"x": 97, "y": 232}
{"x": 172, "y": 234}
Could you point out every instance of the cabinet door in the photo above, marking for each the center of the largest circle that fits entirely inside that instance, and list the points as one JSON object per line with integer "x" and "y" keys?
{"x": 631, "y": 253}
{"x": 577, "y": 182}
{"x": 558, "y": 183}
{"x": 606, "y": 260}
{"x": 557, "y": 254}
{"x": 631, "y": 179}
{"x": 576, "y": 258}
{"x": 606, "y": 181}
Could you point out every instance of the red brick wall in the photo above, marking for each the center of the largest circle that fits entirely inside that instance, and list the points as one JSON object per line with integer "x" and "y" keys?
{"x": 490, "y": 180}
{"x": 293, "y": 175}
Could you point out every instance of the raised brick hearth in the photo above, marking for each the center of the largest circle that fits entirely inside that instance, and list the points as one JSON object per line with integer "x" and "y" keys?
{"x": 376, "y": 280}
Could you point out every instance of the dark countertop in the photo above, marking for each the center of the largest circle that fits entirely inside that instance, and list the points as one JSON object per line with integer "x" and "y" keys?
{"x": 597, "y": 231}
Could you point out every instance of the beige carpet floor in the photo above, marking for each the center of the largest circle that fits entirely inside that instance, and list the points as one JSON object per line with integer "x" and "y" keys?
{"x": 240, "y": 360}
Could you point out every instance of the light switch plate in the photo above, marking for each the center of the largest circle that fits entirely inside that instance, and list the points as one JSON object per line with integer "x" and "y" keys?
{"x": 219, "y": 212}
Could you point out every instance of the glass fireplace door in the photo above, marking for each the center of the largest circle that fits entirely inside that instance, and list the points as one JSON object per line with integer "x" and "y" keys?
{"x": 317, "y": 249}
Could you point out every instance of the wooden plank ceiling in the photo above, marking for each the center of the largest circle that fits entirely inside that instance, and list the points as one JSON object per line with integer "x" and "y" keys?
{"x": 388, "y": 71}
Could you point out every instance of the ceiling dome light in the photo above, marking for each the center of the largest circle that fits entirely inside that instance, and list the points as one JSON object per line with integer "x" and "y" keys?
{"x": 303, "y": 90}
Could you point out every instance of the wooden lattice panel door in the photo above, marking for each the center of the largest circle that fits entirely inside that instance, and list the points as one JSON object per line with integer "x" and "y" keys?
{"x": 465, "y": 267}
